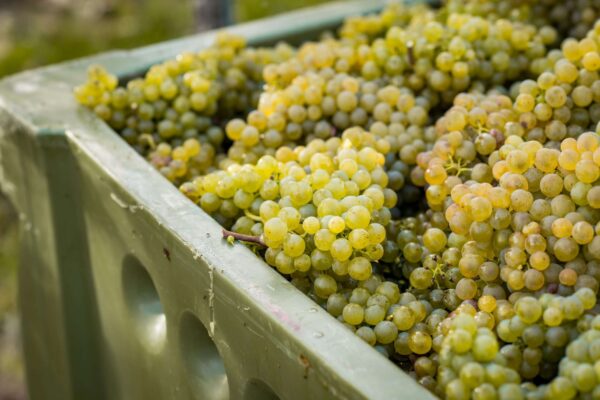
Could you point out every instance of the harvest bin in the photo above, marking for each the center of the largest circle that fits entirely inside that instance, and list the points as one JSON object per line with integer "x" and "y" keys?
{"x": 127, "y": 289}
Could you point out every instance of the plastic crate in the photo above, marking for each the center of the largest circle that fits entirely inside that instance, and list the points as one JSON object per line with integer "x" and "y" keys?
{"x": 128, "y": 291}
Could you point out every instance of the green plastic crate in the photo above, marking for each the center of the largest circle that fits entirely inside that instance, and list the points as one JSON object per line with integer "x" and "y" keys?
{"x": 128, "y": 291}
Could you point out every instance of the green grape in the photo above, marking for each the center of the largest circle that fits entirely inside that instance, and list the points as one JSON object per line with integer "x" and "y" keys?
{"x": 358, "y": 238}
{"x": 357, "y": 217}
{"x": 353, "y": 314}
{"x": 584, "y": 378}
{"x": 562, "y": 388}
{"x": 434, "y": 239}
{"x": 457, "y": 390}
{"x": 325, "y": 286}
{"x": 302, "y": 263}
{"x": 403, "y": 318}
{"x": 461, "y": 341}
{"x": 485, "y": 348}
{"x": 320, "y": 260}
{"x": 386, "y": 332}
{"x": 310, "y": 225}
{"x": 510, "y": 391}
{"x": 528, "y": 309}
{"x": 374, "y": 314}
{"x": 275, "y": 230}
{"x": 367, "y": 334}
{"x": 412, "y": 252}
{"x": 324, "y": 239}
{"x": 484, "y": 391}
{"x": 472, "y": 374}
{"x": 419, "y": 342}
{"x": 359, "y": 268}
{"x": 572, "y": 307}
{"x": 466, "y": 289}
{"x": 294, "y": 245}
{"x": 553, "y": 316}
{"x": 284, "y": 263}
{"x": 359, "y": 296}
{"x": 341, "y": 249}
{"x": 421, "y": 278}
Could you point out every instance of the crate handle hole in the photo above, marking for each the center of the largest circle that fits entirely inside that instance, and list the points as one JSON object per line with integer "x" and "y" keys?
{"x": 144, "y": 305}
{"x": 202, "y": 360}
{"x": 259, "y": 390}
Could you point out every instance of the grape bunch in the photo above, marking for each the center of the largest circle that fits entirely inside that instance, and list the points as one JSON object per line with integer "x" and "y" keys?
{"x": 316, "y": 208}
{"x": 572, "y": 18}
{"x": 578, "y": 370}
{"x": 429, "y": 176}
{"x": 392, "y": 85}
{"x": 471, "y": 364}
{"x": 183, "y": 101}
{"x": 516, "y": 179}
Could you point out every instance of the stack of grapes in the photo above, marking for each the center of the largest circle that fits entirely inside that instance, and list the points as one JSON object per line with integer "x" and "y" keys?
{"x": 431, "y": 177}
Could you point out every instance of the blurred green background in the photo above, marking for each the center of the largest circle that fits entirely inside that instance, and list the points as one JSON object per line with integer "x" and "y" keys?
{"x": 41, "y": 32}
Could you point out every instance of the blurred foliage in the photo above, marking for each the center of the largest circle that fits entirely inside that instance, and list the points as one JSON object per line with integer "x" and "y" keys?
{"x": 36, "y": 33}
{"x": 40, "y": 32}
{"x": 245, "y": 10}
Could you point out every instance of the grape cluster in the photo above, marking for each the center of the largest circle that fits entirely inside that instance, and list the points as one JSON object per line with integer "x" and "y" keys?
{"x": 572, "y": 18}
{"x": 183, "y": 100}
{"x": 383, "y": 316}
{"x": 430, "y": 177}
{"x": 317, "y": 208}
{"x": 390, "y": 85}
{"x": 515, "y": 182}
{"x": 471, "y": 364}
{"x": 538, "y": 332}
{"x": 367, "y": 28}
{"x": 579, "y": 370}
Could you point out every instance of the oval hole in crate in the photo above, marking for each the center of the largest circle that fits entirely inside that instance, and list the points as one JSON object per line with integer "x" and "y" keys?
{"x": 144, "y": 305}
{"x": 258, "y": 390}
{"x": 202, "y": 360}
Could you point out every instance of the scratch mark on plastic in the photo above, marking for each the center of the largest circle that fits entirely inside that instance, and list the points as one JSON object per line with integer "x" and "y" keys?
{"x": 121, "y": 203}
{"x": 117, "y": 200}
{"x": 252, "y": 330}
{"x": 211, "y": 299}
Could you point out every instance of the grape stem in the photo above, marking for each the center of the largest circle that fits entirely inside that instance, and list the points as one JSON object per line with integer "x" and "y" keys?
{"x": 253, "y": 217}
{"x": 149, "y": 140}
{"x": 243, "y": 238}
{"x": 457, "y": 165}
